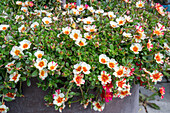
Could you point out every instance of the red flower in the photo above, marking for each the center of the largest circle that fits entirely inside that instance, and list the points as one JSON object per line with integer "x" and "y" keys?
{"x": 106, "y": 95}
{"x": 162, "y": 92}
{"x": 108, "y": 86}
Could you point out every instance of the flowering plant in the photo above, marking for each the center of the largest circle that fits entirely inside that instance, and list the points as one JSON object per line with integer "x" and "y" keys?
{"x": 101, "y": 47}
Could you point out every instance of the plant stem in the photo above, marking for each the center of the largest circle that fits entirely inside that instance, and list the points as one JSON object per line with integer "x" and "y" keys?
{"x": 81, "y": 92}
{"x": 69, "y": 90}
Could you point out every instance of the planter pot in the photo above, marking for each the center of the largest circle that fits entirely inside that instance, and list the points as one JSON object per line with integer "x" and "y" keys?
{"x": 33, "y": 102}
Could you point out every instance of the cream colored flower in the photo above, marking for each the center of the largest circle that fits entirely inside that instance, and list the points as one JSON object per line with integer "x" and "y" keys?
{"x": 91, "y": 9}
{"x": 47, "y": 20}
{"x": 3, "y": 109}
{"x": 39, "y": 54}
{"x": 99, "y": 11}
{"x": 59, "y": 99}
{"x": 34, "y": 25}
{"x": 158, "y": 57}
{"x": 75, "y": 11}
{"x": 121, "y": 84}
{"x": 140, "y": 37}
{"x": 156, "y": 76}
{"x": 17, "y": 17}
{"x": 22, "y": 28}
{"x": 25, "y": 9}
{"x": 40, "y": 64}
{"x": 127, "y": 34}
{"x": 66, "y": 30}
{"x": 136, "y": 47}
{"x": 104, "y": 78}
{"x": 52, "y": 66}
{"x": 140, "y": 4}
{"x": 111, "y": 14}
{"x": 81, "y": 42}
{"x": 124, "y": 93}
{"x": 15, "y": 77}
{"x": 112, "y": 63}
{"x": 88, "y": 36}
{"x": 103, "y": 59}
{"x": 128, "y": 18}
{"x": 121, "y": 21}
{"x": 16, "y": 51}
{"x": 88, "y": 20}
{"x": 119, "y": 71}
{"x": 25, "y": 44}
{"x": 75, "y": 34}
{"x": 43, "y": 74}
{"x": 3, "y": 27}
{"x": 78, "y": 68}
{"x": 113, "y": 24}
{"x": 90, "y": 28}
{"x": 98, "y": 106}
{"x": 78, "y": 79}
{"x": 85, "y": 68}
{"x": 80, "y": 8}
{"x": 8, "y": 66}
{"x": 149, "y": 45}
{"x": 19, "y": 2}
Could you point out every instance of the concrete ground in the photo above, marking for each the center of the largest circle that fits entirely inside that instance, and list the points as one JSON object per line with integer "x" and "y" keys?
{"x": 164, "y": 103}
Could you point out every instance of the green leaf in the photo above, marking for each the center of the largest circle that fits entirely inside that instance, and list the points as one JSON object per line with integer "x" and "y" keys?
{"x": 153, "y": 105}
{"x": 18, "y": 65}
{"x": 8, "y": 99}
{"x": 23, "y": 78}
{"x": 35, "y": 73}
{"x": 166, "y": 74}
{"x": 28, "y": 82}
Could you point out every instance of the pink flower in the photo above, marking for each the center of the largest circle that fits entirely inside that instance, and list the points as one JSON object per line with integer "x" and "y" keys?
{"x": 86, "y": 6}
{"x": 162, "y": 92}
{"x": 108, "y": 95}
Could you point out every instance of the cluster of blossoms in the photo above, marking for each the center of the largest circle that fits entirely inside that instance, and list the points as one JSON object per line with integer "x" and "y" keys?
{"x": 123, "y": 89}
{"x": 78, "y": 76}
{"x": 78, "y": 31}
{"x": 59, "y": 99}
{"x": 41, "y": 64}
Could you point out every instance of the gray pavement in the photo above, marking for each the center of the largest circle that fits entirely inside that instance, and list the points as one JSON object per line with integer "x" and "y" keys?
{"x": 164, "y": 103}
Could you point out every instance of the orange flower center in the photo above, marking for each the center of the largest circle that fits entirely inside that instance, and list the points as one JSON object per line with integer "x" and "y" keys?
{"x": 25, "y": 46}
{"x": 52, "y": 67}
{"x": 92, "y": 30}
{"x": 76, "y": 35}
{"x": 2, "y": 109}
{"x": 81, "y": 43}
{"x": 158, "y": 58}
{"x": 10, "y": 95}
{"x": 135, "y": 49}
{"x": 17, "y": 52}
{"x": 47, "y": 22}
{"x": 78, "y": 79}
{"x": 105, "y": 78}
{"x": 66, "y": 32}
{"x": 120, "y": 22}
{"x": 156, "y": 76}
{"x": 140, "y": 5}
{"x": 120, "y": 72}
{"x": 88, "y": 22}
{"x": 89, "y": 36}
{"x": 157, "y": 32}
{"x": 103, "y": 60}
{"x": 35, "y": 25}
{"x": 24, "y": 10}
{"x": 138, "y": 37}
{"x": 84, "y": 69}
{"x": 15, "y": 77}
{"x": 41, "y": 64}
{"x": 59, "y": 100}
{"x": 148, "y": 45}
{"x": 39, "y": 55}
{"x": 42, "y": 73}
{"x": 124, "y": 93}
{"x": 80, "y": 8}
{"x": 79, "y": 68}
{"x": 111, "y": 64}
{"x": 4, "y": 28}
{"x": 113, "y": 25}
{"x": 120, "y": 84}
{"x": 98, "y": 106}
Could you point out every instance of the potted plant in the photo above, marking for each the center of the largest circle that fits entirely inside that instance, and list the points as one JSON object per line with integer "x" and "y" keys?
{"x": 90, "y": 53}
